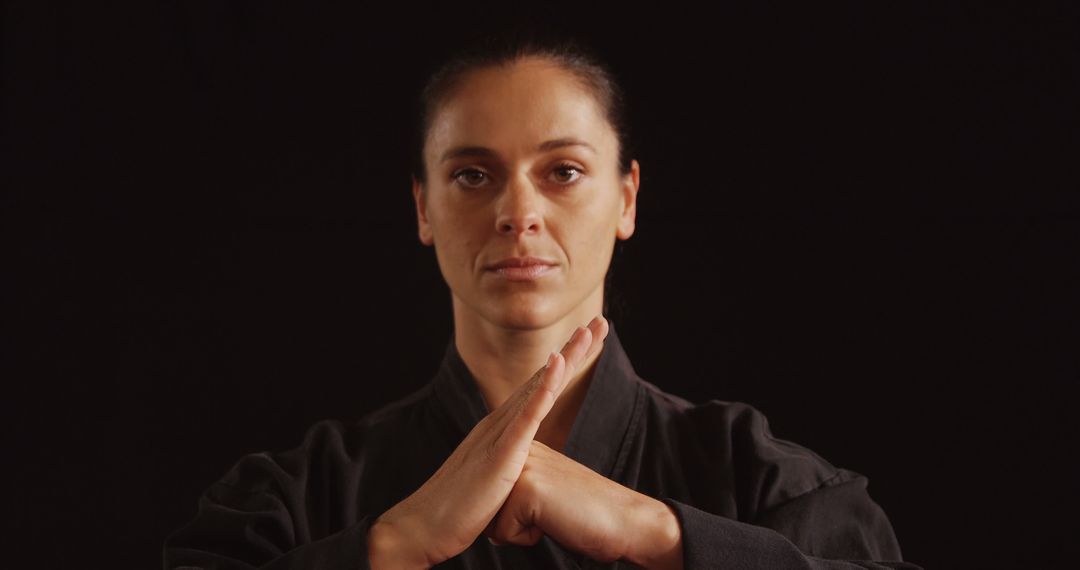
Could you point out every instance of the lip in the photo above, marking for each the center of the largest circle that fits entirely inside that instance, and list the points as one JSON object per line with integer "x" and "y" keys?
{"x": 522, "y": 268}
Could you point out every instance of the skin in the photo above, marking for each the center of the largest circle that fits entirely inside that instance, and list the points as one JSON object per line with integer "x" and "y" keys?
{"x": 521, "y": 205}
{"x": 507, "y": 479}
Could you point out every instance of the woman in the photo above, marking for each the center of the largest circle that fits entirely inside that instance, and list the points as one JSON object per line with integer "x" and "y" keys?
{"x": 523, "y": 185}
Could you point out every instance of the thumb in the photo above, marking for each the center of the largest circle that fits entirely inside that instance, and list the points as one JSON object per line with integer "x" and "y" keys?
{"x": 507, "y": 528}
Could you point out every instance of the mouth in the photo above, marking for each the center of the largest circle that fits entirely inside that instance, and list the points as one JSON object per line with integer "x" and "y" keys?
{"x": 522, "y": 268}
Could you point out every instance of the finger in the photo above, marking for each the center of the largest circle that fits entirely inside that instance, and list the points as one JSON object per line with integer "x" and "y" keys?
{"x": 575, "y": 350}
{"x": 599, "y": 327}
{"x": 534, "y": 404}
{"x": 517, "y": 420}
{"x": 520, "y": 396}
{"x": 510, "y": 528}
{"x": 527, "y": 536}
{"x": 519, "y": 400}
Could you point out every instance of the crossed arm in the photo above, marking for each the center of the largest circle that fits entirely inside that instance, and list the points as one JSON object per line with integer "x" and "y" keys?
{"x": 264, "y": 526}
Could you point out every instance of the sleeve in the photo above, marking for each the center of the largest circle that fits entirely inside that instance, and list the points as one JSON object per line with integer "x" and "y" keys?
{"x": 790, "y": 507}
{"x": 837, "y": 526}
{"x": 277, "y": 512}
{"x": 238, "y": 530}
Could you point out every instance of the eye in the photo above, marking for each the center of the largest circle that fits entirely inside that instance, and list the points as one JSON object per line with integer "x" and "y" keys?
{"x": 566, "y": 173}
{"x": 469, "y": 177}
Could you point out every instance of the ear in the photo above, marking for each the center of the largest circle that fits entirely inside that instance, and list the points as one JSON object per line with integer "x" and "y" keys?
{"x": 420, "y": 197}
{"x": 629, "y": 191}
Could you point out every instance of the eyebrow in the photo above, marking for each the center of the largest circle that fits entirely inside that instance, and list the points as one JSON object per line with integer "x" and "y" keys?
{"x": 544, "y": 146}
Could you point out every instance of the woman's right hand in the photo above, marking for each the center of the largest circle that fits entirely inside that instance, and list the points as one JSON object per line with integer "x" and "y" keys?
{"x": 446, "y": 514}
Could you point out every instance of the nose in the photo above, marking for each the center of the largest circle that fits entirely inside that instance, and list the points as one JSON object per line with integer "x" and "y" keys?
{"x": 518, "y": 208}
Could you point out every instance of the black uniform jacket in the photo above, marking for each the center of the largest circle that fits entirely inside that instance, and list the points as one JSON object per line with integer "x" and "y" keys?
{"x": 743, "y": 498}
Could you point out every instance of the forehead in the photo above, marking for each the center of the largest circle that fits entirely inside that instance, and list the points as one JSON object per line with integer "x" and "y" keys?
{"x": 517, "y": 107}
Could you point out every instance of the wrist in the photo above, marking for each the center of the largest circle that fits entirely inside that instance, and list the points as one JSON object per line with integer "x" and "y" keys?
{"x": 659, "y": 544}
{"x": 388, "y": 548}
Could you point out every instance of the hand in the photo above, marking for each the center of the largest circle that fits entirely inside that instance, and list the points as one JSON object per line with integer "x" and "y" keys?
{"x": 587, "y": 513}
{"x": 446, "y": 514}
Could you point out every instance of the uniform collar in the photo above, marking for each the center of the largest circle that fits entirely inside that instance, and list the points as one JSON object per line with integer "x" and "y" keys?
{"x": 612, "y": 407}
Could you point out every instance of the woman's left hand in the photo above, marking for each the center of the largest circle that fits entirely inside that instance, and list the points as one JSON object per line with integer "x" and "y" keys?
{"x": 587, "y": 513}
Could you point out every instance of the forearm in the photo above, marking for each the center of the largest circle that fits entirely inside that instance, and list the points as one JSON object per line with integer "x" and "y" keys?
{"x": 388, "y": 549}
{"x": 657, "y": 544}
{"x": 714, "y": 541}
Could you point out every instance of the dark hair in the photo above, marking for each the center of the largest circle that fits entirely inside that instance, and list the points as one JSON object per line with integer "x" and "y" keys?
{"x": 507, "y": 47}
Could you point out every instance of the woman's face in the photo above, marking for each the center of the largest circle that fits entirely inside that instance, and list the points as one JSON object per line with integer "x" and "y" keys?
{"x": 521, "y": 162}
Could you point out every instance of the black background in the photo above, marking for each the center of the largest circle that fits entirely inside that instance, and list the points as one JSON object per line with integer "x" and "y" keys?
{"x": 861, "y": 219}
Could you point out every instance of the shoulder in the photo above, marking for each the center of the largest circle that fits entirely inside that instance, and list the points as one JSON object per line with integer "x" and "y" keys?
{"x": 734, "y": 442}
{"x": 329, "y": 445}
{"x": 305, "y": 492}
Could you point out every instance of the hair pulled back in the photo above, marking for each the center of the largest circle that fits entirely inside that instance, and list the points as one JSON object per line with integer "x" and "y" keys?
{"x": 506, "y": 48}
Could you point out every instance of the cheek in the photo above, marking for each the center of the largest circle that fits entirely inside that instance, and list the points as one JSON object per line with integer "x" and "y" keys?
{"x": 600, "y": 217}
{"x": 602, "y": 223}
{"x": 591, "y": 237}
{"x": 459, "y": 238}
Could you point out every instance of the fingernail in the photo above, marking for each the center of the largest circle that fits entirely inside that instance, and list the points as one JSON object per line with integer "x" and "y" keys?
{"x": 551, "y": 359}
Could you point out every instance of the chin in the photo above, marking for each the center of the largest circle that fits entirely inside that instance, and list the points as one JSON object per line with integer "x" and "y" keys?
{"x": 523, "y": 313}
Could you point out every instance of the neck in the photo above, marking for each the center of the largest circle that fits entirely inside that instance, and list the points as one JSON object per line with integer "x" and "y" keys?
{"x": 502, "y": 357}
